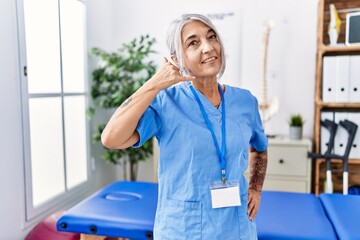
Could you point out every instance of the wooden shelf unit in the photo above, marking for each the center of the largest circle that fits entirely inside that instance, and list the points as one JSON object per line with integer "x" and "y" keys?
{"x": 338, "y": 49}
{"x": 323, "y": 49}
{"x": 332, "y": 105}
{"x": 337, "y": 168}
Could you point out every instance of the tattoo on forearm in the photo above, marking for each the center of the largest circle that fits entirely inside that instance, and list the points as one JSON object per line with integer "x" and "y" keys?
{"x": 126, "y": 102}
{"x": 258, "y": 164}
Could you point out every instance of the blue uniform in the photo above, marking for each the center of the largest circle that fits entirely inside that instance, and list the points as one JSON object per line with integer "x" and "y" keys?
{"x": 189, "y": 162}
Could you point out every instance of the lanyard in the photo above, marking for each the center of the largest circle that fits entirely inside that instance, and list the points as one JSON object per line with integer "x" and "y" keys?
{"x": 223, "y": 133}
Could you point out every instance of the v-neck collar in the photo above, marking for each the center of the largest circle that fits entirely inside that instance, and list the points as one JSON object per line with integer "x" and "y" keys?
{"x": 207, "y": 104}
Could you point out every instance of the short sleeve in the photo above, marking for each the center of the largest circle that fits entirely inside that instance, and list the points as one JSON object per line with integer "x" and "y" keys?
{"x": 149, "y": 124}
{"x": 258, "y": 139}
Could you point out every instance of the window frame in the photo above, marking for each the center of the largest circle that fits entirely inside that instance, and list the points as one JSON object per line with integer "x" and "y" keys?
{"x": 69, "y": 196}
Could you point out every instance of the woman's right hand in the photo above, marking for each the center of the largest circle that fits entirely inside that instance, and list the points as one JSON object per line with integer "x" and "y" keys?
{"x": 120, "y": 132}
{"x": 168, "y": 75}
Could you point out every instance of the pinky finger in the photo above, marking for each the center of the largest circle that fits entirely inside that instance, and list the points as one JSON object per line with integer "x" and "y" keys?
{"x": 252, "y": 215}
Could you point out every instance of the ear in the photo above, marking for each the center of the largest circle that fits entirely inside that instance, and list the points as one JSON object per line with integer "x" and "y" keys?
{"x": 174, "y": 58}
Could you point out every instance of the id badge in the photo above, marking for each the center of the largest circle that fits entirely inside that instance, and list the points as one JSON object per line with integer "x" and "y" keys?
{"x": 225, "y": 195}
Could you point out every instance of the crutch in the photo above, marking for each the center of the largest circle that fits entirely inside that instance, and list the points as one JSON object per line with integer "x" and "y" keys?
{"x": 351, "y": 128}
{"x": 332, "y": 128}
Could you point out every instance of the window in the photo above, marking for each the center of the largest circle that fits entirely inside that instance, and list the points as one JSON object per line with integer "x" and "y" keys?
{"x": 54, "y": 97}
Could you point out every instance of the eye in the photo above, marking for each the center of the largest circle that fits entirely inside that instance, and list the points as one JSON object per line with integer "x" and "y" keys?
{"x": 192, "y": 43}
{"x": 213, "y": 36}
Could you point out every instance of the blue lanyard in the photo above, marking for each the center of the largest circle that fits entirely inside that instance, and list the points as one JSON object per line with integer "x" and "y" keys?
{"x": 223, "y": 133}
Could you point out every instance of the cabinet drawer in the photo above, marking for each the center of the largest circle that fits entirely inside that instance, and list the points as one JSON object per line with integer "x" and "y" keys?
{"x": 290, "y": 160}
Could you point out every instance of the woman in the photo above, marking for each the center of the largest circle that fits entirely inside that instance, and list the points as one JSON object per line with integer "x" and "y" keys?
{"x": 204, "y": 130}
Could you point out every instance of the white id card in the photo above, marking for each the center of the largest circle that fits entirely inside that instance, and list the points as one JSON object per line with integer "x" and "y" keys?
{"x": 225, "y": 195}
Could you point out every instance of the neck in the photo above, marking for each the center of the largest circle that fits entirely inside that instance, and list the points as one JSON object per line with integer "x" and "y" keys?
{"x": 209, "y": 87}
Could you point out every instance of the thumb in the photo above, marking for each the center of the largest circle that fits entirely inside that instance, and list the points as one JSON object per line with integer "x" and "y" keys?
{"x": 165, "y": 60}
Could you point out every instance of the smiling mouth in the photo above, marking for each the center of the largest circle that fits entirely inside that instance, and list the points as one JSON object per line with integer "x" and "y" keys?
{"x": 211, "y": 59}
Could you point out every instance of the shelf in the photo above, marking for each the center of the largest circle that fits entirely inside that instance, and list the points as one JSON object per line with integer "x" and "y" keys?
{"x": 344, "y": 7}
{"x": 333, "y": 105}
{"x": 339, "y": 49}
{"x": 350, "y": 160}
{"x": 324, "y": 49}
{"x": 337, "y": 177}
{"x": 340, "y": 171}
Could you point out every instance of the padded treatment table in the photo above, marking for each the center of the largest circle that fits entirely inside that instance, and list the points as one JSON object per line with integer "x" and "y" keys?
{"x": 285, "y": 215}
{"x": 344, "y": 212}
{"x": 121, "y": 209}
{"x": 127, "y": 209}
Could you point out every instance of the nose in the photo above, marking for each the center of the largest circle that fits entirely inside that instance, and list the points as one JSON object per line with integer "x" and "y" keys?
{"x": 207, "y": 47}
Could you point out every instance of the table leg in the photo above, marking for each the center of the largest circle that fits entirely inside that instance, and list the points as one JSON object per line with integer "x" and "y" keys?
{"x": 94, "y": 237}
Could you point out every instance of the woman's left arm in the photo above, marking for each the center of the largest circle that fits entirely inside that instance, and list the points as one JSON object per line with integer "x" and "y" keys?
{"x": 258, "y": 163}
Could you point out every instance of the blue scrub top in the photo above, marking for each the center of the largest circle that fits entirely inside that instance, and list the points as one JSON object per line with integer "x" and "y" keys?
{"x": 189, "y": 162}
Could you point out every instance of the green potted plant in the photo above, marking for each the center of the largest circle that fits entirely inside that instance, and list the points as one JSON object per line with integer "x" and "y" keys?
{"x": 117, "y": 76}
{"x": 296, "y": 123}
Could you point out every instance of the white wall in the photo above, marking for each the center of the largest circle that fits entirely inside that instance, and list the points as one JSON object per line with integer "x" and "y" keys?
{"x": 291, "y": 57}
{"x": 11, "y": 172}
{"x": 132, "y": 21}
{"x": 291, "y": 62}
{"x": 100, "y": 33}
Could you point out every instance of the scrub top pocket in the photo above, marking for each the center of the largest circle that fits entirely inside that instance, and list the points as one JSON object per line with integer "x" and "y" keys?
{"x": 182, "y": 220}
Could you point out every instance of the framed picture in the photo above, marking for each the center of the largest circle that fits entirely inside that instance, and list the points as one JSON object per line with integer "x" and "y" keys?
{"x": 352, "y": 29}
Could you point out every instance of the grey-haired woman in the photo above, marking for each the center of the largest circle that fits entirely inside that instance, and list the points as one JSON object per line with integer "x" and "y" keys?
{"x": 207, "y": 133}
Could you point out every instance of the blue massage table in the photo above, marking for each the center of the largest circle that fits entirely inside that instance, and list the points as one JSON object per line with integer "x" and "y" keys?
{"x": 344, "y": 213}
{"x": 122, "y": 209}
{"x": 127, "y": 209}
{"x": 290, "y": 216}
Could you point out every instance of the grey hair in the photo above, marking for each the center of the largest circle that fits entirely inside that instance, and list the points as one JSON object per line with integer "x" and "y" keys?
{"x": 173, "y": 39}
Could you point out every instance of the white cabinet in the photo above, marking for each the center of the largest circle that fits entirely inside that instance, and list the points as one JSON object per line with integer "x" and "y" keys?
{"x": 289, "y": 168}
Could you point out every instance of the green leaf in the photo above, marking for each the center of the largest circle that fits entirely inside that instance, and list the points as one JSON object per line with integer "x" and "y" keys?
{"x": 116, "y": 77}
{"x": 90, "y": 112}
{"x": 296, "y": 120}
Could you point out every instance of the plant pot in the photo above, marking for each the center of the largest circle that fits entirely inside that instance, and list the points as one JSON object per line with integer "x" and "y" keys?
{"x": 295, "y": 133}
